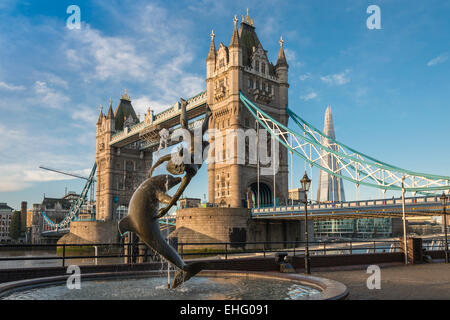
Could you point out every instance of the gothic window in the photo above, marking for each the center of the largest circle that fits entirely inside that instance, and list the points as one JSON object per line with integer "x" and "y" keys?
{"x": 269, "y": 88}
{"x": 250, "y": 83}
{"x": 263, "y": 68}
{"x": 257, "y": 66}
{"x": 221, "y": 63}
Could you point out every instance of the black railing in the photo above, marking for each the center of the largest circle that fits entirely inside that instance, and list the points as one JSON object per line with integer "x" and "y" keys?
{"x": 132, "y": 253}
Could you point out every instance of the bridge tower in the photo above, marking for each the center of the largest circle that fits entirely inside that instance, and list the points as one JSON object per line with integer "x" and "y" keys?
{"x": 244, "y": 66}
{"x": 120, "y": 170}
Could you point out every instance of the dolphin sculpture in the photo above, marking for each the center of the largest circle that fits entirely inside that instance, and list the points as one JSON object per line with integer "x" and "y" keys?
{"x": 143, "y": 219}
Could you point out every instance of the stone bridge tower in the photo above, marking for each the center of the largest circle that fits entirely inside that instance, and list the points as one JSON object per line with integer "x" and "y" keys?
{"x": 244, "y": 66}
{"x": 119, "y": 170}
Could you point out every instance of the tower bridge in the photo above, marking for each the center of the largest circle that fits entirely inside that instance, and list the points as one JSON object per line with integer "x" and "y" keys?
{"x": 244, "y": 90}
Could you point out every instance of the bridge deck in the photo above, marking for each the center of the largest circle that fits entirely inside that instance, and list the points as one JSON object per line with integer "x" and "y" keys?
{"x": 418, "y": 206}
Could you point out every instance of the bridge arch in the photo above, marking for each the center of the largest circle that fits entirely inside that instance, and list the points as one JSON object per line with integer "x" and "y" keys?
{"x": 265, "y": 194}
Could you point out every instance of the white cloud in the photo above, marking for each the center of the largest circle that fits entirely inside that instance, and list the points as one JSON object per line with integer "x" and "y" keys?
{"x": 56, "y": 80}
{"x": 337, "y": 79}
{"x": 21, "y": 153}
{"x": 439, "y": 59}
{"x": 11, "y": 87}
{"x": 142, "y": 104}
{"x": 305, "y": 76}
{"x": 49, "y": 97}
{"x": 291, "y": 58}
{"x": 111, "y": 57}
{"x": 310, "y": 96}
{"x": 161, "y": 61}
{"x": 85, "y": 114}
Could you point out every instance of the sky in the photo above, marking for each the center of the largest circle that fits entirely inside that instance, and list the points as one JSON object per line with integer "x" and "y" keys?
{"x": 388, "y": 88}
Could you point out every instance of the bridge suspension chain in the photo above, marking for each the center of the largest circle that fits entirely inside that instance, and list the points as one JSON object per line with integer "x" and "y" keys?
{"x": 313, "y": 146}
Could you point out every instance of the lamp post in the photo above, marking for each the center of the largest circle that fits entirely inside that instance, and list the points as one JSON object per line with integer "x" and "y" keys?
{"x": 444, "y": 199}
{"x": 306, "y": 183}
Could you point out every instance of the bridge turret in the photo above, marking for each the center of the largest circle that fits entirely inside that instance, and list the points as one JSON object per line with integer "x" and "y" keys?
{"x": 110, "y": 119}
{"x": 211, "y": 60}
{"x": 282, "y": 70}
{"x": 100, "y": 116}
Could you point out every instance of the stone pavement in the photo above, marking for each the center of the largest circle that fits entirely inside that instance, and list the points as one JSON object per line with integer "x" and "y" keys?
{"x": 398, "y": 282}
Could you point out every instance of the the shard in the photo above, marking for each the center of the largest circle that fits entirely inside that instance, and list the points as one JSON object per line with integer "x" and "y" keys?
{"x": 331, "y": 188}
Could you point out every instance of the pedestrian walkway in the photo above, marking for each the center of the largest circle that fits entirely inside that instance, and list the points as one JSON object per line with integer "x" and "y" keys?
{"x": 398, "y": 282}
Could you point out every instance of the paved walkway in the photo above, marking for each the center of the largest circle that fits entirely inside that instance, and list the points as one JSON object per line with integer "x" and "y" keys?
{"x": 398, "y": 282}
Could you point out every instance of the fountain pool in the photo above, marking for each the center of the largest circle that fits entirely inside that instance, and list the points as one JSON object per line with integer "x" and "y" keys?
{"x": 153, "y": 286}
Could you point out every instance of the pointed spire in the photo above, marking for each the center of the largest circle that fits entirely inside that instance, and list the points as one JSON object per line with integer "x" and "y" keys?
{"x": 110, "y": 111}
{"x": 125, "y": 96}
{"x": 328, "y": 126}
{"x": 212, "y": 48}
{"x": 235, "y": 38}
{"x": 247, "y": 20}
{"x": 100, "y": 117}
{"x": 281, "y": 55}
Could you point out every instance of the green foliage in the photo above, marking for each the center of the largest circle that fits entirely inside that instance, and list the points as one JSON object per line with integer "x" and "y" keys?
{"x": 14, "y": 227}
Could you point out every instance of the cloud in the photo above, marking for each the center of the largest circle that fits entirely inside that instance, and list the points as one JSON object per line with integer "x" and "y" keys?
{"x": 337, "y": 79}
{"x": 85, "y": 114}
{"x": 45, "y": 176}
{"x": 55, "y": 80}
{"x": 49, "y": 97}
{"x": 291, "y": 57}
{"x": 110, "y": 57}
{"x": 4, "y": 85}
{"x": 142, "y": 104}
{"x": 310, "y": 96}
{"x": 21, "y": 153}
{"x": 305, "y": 76}
{"x": 439, "y": 59}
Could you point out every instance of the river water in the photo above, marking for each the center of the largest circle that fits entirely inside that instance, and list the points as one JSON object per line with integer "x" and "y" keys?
{"x": 48, "y": 263}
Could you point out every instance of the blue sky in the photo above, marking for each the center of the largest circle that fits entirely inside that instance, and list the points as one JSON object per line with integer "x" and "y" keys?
{"x": 389, "y": 89}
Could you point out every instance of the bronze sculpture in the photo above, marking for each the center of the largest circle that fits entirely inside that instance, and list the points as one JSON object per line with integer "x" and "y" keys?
{"x": 143, "y": 209}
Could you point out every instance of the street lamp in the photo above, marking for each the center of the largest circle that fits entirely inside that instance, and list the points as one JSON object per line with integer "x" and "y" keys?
{"x": 444, "y": 199}
{"x": 306, "y": 183}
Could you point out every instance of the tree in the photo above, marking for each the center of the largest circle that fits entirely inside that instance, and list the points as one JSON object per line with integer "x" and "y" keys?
{"x": 14, "y": 227}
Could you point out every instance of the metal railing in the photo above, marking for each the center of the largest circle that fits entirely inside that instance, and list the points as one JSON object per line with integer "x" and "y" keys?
{"x": 139, "y": 252}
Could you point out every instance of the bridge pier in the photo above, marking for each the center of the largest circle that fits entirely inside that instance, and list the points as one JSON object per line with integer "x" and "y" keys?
{"x": 235, "y": 225}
